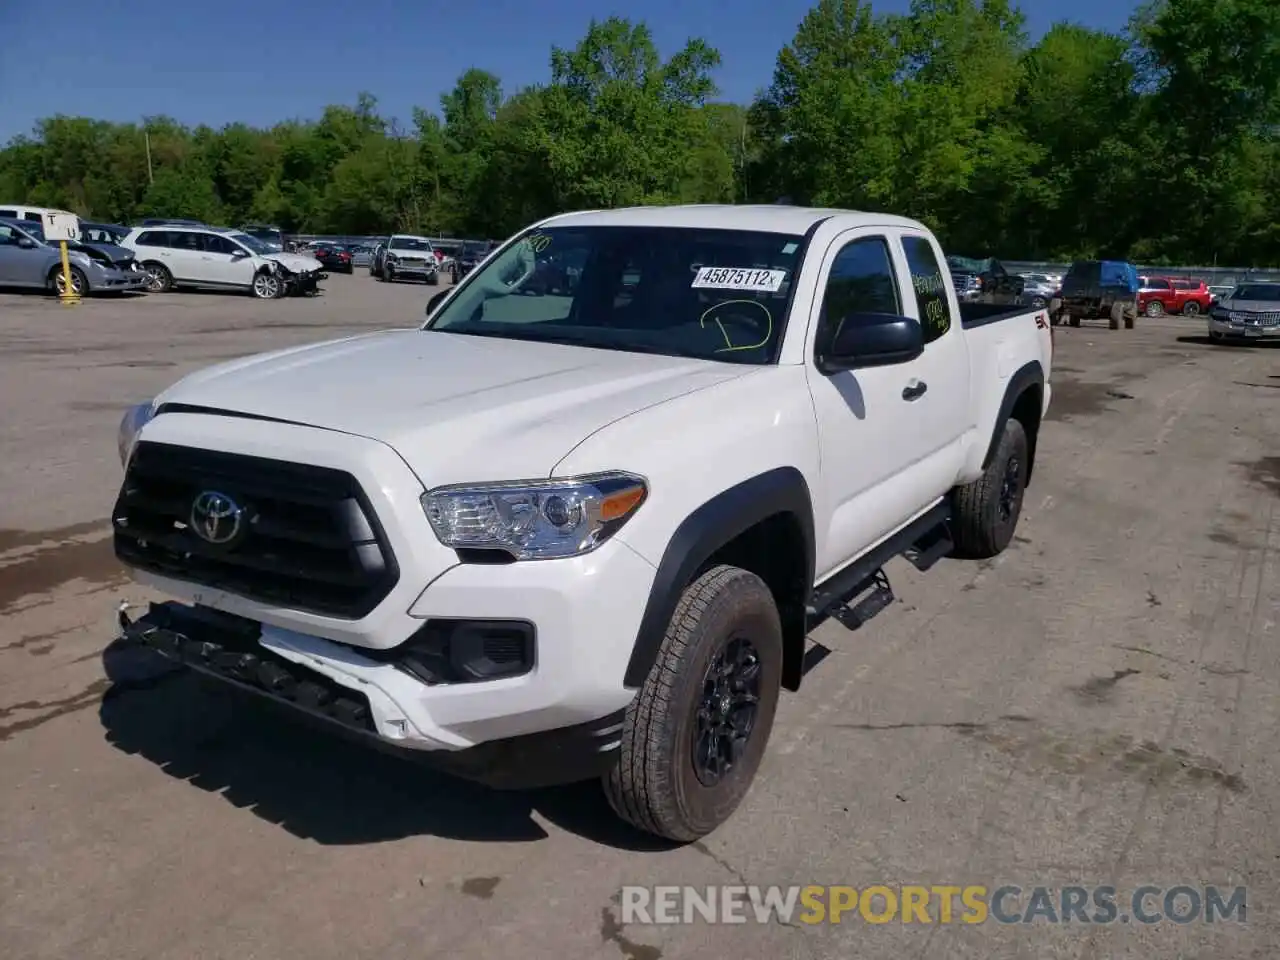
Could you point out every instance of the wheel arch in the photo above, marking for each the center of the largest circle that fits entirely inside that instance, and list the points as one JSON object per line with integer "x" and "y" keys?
{"x": 1023, "y": 401}
{"x": 763, "y": 524}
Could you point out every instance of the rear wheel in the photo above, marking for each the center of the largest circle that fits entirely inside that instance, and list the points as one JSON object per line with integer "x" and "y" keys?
{"x": 987, "y": 510}
{"x": 1191, "y": 309}
{"x": 695, "y": 734}
{"x": 159, "y": 279}
{"x": 1118, "y": 317}
{"x": 1073, "y": 321}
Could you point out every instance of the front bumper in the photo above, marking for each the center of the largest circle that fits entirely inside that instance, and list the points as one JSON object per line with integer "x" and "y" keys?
{"x": 585, "y": 610}
{"x": 1242, "y": 329}
{"x": 241, "y": 655}
{"x": 402, "y": 268}
{"x": 111, "y": 279}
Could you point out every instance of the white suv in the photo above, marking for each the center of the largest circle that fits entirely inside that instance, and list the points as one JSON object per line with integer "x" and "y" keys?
{"x": 177, "y": 255}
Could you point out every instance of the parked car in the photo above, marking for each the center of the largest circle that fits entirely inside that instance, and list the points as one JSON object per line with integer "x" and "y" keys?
{"x": 361, "y": 254}
{"x": 111, "y": 233}
{"x": 271, "y": 235}
{"x": 409, "y": 257}
{"x": 985, "y": 281}
{"x": 602, "y": 552}
{"x": 26, "y": 260}
{"x": 1251, "y": 311}
{"x": 1160, "y": 295}
{"x": 377, "y": 256}
{"x": 334, "y": 258}
{"x": 1097, "y": 289}
{"x": 1039, "y": 289}
{"x": 218, "y": 258}
{"x": 468, "y": 256}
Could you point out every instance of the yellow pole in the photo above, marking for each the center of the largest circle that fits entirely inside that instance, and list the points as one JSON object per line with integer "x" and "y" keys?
{"x": 69, "y": 297}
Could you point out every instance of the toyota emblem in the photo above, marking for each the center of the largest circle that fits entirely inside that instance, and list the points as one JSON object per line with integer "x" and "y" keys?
{"x": 216, "y": 518}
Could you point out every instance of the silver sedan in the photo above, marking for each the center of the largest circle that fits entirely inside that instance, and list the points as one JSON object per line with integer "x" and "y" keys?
{"x": 26, "y": 260}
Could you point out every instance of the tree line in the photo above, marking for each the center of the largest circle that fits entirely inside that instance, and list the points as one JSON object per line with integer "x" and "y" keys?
{"x": 1158, "y": 143}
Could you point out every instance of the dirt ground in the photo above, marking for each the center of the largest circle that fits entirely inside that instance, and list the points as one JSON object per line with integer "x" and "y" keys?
{"x": 1098, "y": 706}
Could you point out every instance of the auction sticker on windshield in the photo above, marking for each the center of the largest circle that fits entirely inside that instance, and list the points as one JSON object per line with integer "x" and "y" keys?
{"x": 737, "y": 278}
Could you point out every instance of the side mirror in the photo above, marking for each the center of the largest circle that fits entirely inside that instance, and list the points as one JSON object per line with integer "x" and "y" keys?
{"x": 435, "y": 301}
{"x": 872, "y": 340}
{"x": 239, "y": 254}
{"x": 26, "y": 243}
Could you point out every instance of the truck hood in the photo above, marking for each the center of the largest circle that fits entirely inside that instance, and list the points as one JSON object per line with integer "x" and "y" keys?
{"x": 295, "y": 262}
{"x": 456, "y": 408}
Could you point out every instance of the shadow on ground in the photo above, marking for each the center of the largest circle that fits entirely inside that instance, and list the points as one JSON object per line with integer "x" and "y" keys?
{"x": 318, "y": 786}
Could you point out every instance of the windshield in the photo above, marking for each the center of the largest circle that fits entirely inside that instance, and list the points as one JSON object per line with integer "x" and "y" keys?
{"x": 968, "y": 264}
{"x": 1257, "y": 291}
{"x": 259, "y": 247}
{"x": 476, "y": 250}
{"x": 711, "y": 294}
{"x": 408, "y": 243}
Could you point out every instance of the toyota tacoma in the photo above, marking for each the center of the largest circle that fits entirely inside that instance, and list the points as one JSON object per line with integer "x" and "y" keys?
{"x": 546, "y": 537}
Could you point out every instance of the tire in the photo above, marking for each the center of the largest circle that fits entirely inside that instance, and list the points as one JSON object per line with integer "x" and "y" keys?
{"x": 987, "y": 510}
{"x": 1073, "y": 321}
{"x": 1154, "y": 308}
{"x": 1216, "y": 338}
{"x": 1117, "y": 316}
{"x": 658, "y": 784}
{"x": 267, "y": 286}
{"x": 433, "y": 279}
{"x": 388, "y": 275}
{"x": 1191, "y": 309}
{"x": 79, "y": 284}
{"x": 159, "y": 279}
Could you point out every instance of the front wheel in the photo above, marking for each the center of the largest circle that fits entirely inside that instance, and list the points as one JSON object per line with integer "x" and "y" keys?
{"x": 987, "y": 510}
{"x": 266, "y": 286}
{"x": 433, "y": 279}
{"x": 79, "y": 285}
{"x": 1154, "y": 309}
{"x": 695, "y": 734}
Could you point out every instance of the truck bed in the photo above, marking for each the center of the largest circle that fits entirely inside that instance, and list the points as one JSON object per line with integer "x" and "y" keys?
{"x": 981, "y": 314}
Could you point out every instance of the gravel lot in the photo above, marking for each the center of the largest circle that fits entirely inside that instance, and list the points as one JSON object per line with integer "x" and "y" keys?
{"x": 1097, "y": 706}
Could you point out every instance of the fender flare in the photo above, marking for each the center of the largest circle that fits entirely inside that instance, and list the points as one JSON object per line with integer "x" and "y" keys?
{"x": 714, "y": 524}
{"x": 1028, "y": 375}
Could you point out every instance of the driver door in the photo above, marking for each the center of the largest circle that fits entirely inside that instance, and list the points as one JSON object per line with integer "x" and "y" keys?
{"x": 874, "y": 445}
{"x": 226, "y": 262}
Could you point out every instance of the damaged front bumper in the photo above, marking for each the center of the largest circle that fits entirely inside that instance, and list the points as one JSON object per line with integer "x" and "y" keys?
{"x": 230, "y": 649}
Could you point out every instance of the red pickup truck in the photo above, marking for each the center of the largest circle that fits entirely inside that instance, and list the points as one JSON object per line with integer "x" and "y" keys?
{"x": 1161, "y": 295}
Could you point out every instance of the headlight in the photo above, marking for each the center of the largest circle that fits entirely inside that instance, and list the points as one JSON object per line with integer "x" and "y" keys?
{"x": 536, "y": 519}
{"x": 134, "y": 419}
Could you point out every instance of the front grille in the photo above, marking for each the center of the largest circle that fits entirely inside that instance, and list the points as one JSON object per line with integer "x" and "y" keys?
{"x": 1268, "y": 319}
{"x": 309, "y": 539}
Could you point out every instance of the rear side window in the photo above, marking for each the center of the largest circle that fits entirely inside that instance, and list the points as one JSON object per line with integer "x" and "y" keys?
{"x": 929, "y": 287}
{"x": 153, "y": 238}
{"x": 11, "y": 214}
{"x": 33, "y": 217}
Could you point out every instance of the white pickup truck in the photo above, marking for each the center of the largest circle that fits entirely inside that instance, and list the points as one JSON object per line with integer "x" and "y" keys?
{"x": 546, "y": 538}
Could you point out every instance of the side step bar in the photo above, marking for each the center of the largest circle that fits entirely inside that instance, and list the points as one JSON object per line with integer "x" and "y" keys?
{"x": 861, "y": 590}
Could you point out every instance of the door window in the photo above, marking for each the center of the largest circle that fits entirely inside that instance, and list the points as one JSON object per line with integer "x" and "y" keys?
{"x": 932, "y": 305}
{"x": 216, "y": 244}
{"x": 861, "y": 281}
{"x": 185, "y": 240}
{"x": 153, "y": 238}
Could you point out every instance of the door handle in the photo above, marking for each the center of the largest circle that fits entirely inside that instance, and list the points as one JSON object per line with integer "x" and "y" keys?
{"x": 914, "y": 390}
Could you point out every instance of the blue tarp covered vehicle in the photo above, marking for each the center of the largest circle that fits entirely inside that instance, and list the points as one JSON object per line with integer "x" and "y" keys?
{"x": 1098, "y": 289}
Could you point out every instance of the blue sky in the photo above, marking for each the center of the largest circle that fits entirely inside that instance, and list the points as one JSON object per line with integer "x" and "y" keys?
{"x": 261, "y": 62}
